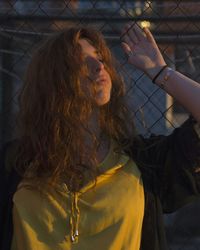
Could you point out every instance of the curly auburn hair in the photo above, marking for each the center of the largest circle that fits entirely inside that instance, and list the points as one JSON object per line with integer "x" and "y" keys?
{"x": 54, "y": 110}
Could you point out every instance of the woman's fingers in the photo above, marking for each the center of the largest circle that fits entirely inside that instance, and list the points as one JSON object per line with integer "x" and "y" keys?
{"x": 131, "y": 33}
{"x": 134, "y": 34}
{"x": 126, "y": 48}
{"x": 128, "y": 41}
{"x": 149, "y": 35}
{"x": 139, "y": 32}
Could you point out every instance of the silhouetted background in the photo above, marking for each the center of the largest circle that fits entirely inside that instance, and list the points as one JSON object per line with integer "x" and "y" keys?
{"x": 176, "y": 28}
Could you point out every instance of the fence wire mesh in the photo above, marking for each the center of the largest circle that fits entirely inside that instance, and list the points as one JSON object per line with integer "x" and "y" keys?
{"x": 176, "y": 27}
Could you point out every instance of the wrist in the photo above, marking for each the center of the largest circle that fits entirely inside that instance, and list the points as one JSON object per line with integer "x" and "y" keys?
{"x": 159, "y": 73}
{"x": 152, "y": 72}
{"x": 163, "y": 76}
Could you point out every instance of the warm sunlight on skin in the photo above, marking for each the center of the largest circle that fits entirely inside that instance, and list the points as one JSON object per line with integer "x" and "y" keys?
{"x": 98, "y": 75}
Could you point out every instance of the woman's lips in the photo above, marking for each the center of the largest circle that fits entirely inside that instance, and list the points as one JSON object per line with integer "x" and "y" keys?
{"x": 101, "y": 81}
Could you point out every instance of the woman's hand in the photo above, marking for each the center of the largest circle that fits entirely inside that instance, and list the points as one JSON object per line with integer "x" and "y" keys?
{"x": 145, "y": 55}
{"x": 142, "y": 50}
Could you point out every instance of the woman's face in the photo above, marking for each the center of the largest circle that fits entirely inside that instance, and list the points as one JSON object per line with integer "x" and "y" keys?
{"x": 97, "y": 75}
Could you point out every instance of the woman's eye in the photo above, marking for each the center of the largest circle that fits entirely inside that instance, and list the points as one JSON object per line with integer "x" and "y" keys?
{"x": 101, "y": 60}
{"x": 90, "y": 60}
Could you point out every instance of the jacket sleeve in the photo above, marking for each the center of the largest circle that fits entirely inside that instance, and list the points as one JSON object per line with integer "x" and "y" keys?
{"x": 170, "y": 165}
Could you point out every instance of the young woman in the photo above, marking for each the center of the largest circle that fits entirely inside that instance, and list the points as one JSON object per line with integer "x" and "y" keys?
{"x": 80, "y": 177}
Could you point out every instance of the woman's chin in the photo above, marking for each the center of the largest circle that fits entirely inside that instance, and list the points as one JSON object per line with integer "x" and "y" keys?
{"x": 102, "y": 100}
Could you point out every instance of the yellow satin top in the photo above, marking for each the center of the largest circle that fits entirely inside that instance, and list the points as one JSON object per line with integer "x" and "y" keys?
{"x": 107, "y": 217}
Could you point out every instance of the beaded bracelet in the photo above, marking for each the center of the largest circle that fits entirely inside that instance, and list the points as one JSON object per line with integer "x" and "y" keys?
{"x": 156, "y": 76}
{"x": 166, "y": 77}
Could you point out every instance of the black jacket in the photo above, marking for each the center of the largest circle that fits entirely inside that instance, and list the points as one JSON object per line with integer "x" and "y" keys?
{"x": 169, "y": 170}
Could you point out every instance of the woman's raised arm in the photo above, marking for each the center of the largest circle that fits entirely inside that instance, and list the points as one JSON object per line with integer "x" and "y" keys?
{"x": 144, "y": 54}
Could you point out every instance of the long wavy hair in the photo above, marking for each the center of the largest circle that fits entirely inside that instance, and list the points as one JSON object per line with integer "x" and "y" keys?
{"x": 54, "y": 111}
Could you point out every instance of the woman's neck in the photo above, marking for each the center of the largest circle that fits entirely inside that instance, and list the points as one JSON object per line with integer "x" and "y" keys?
{"x": 102, "y": 139}
{"x": 93, "y": 128}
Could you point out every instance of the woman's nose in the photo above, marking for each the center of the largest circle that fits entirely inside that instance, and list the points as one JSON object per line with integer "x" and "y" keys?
{"x": 98, "y": 66}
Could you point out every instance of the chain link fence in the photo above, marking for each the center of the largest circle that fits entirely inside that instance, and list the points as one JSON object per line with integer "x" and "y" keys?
{"x": 176, "y": 27}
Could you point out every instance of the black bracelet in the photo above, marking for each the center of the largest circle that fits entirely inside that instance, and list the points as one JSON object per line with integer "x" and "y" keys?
{"x": 156, "y": 76}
